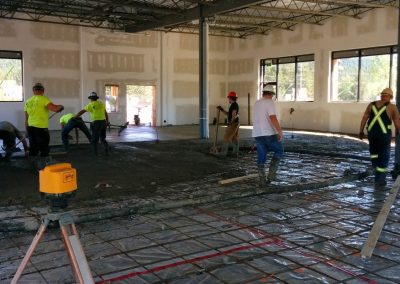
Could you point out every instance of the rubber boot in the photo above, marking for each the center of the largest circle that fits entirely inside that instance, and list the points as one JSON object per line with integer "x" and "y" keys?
{"x": 261, "y": 175}
{"x": 273, "y": 168}
{"x": 224, "y": 149}
{"x": 236, "y": 148}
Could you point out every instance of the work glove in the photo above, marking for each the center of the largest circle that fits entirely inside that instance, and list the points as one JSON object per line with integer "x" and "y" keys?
{"x": 361, "y": 135}
{"x": 220, "y": 108}
{"x": 61, "y": 109}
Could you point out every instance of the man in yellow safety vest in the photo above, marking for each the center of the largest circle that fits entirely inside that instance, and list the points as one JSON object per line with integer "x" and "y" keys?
{"x": 378, "y": 118}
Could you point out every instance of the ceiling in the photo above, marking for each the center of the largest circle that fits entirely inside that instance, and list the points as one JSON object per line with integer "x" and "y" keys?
{"x": 232, "y": 18}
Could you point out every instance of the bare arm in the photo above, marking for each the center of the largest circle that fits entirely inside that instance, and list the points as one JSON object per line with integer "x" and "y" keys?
{"x": 54, "y": 108}
{"x": 395, "y": 117}
{"x": 234, "y": 115}
{"x": 107, "y": 121}
{"x": 79, "y": 113}
{"x": 365, "y": 118}
{"x": 26, "y": 122}
{"x": 277, "y": 126}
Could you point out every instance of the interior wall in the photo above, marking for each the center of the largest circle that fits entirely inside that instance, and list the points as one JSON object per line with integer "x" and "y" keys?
{"x": 72, "y": 61}
{"x": 376, "y": 28}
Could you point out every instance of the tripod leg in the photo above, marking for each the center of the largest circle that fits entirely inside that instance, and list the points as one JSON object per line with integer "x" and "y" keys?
{"x": 76, "y": 255}
{"x": 30, "y": 251}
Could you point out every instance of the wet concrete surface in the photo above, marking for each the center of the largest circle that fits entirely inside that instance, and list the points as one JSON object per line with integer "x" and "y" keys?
{"x": 173, "y": 223}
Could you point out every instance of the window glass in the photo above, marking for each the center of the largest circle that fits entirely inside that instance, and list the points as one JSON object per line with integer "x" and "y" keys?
{"x": 374, "y": 76}
{"x": 345, "y": 79}
{"x": 11, "y": 76}
{"x": 305, "y": 81}
{"x": 286, "y": 82}
{"x": 111, "y": 92}
{"x": 294, "y": 76}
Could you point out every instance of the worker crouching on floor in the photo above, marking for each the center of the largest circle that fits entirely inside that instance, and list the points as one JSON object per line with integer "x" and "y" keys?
{"x": 69, "y": 122}
{"x": 268, "y": 135}
{"x": 378, "y": 118}
{"x": 8, "y": 133}
{"x": 99, "y": 116}
{"x": 232, "y": 131}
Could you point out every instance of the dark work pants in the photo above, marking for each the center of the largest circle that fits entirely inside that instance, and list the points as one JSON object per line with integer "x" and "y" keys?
{"x": 8, "y": 141}
{"x": 39, "y": 140}
{"x": 99, "y": 128}
{"x": 74, "y": 123}
{"x": 379, "y": 148}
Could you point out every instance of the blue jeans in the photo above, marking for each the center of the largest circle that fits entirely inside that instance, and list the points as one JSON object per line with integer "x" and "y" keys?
{"x": 266, "y": 144}
{"x": 74, "y": 123}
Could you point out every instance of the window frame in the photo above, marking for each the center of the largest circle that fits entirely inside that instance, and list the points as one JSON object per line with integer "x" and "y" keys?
{"x": 296, "y": 59}
{"x": 359, "y": 53}
{"x": 20, "y": 57}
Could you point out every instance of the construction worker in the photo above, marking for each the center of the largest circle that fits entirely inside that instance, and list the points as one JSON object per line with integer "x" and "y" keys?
{"x": 8, "y": 133}
{"x": 232, "y": 131}
{"x": 268, "y": 135}
{"x": 68, "y": 122}
{"x": 378, "y": 118}
{"x": 37, "y": 121}
{"x": 99, "y": 116}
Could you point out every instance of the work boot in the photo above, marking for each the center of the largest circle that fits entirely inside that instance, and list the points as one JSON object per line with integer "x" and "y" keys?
{"x": 273, "y": 168}
{"x": 261, "y": 175}
{"x": 236, "y": 148}
{"x": 224, "y": 149}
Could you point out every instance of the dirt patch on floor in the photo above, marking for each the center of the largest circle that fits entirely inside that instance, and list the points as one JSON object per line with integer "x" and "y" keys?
{"x": 131, "y": 168}
{"x": 140, "y": 168}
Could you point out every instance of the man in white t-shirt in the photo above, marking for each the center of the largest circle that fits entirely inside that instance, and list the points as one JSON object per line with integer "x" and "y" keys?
{"x": 268, "y": 134}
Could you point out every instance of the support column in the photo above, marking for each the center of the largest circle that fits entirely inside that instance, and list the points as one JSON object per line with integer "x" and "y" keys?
{"x": 396, "y": 170}
{"x": 203, "y": 79}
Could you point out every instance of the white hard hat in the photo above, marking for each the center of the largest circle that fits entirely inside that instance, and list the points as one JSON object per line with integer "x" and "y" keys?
{"x": 269, "y": 88}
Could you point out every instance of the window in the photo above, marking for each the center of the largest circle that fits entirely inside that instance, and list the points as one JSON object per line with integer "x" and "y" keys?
{"x": 11, "y": 76}
{"x": 111, "y": 92}
{"x": 294, "y": 76}
{"x": 360, "y": 75}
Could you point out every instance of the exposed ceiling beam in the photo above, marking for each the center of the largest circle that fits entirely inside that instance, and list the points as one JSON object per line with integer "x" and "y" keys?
{"x": 300, "y": 11}
{"x": 220, "y": 6}
{"x": 261, "y": 18}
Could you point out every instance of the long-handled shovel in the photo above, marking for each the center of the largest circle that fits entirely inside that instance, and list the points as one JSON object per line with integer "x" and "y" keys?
{"x": 214, "y": 148}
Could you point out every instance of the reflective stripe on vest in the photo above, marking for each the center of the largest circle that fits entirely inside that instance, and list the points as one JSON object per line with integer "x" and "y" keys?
{"x": 374, "y": 157}
{"x": 381, "y": 170}
{"x": 378, "y": 118}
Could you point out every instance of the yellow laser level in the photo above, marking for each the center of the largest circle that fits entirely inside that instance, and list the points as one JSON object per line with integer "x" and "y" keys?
{"x": 58, "y": 179}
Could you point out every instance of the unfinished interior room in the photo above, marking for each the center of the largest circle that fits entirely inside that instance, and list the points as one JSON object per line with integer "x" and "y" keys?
{"x": 199, "y": 141}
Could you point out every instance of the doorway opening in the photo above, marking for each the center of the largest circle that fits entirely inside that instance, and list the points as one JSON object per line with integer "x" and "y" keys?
{"x": 140, "y": 105}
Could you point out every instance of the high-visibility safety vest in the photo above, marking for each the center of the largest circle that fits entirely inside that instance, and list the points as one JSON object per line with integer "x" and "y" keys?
{"x": 379, "y": 120}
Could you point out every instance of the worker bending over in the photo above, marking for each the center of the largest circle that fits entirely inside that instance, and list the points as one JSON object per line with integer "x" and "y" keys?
{"x": 8, "y": 133}
{"x": 378, "y": 118}
{"x": 99, "y": 116}
{"x": 69, "y": 122}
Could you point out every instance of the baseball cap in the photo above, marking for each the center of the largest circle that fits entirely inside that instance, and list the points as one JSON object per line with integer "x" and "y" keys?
{"x": 93, "y": 95}
{"x": 38, "y": 87}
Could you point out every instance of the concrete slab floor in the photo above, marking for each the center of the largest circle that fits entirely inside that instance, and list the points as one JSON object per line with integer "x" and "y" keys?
{"x": 224, "y": 234}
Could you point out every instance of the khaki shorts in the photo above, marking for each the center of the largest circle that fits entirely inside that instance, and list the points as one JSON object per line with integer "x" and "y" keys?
{"x": 231, "y": 133}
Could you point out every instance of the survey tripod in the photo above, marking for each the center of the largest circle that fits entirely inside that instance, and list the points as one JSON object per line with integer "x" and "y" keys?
{"x": 72, "y": 244}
